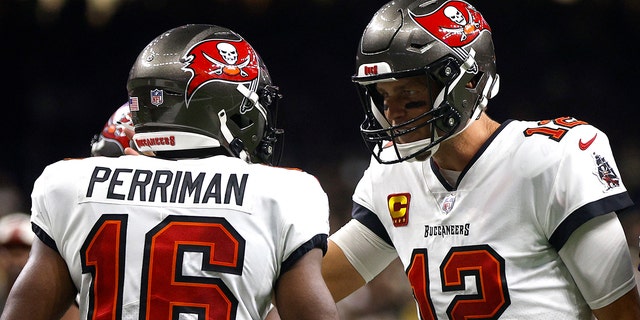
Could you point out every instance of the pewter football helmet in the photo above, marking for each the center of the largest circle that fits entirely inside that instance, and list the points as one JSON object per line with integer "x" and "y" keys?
{"x": 201, "y": 87}
{"x": 448, "y": 41}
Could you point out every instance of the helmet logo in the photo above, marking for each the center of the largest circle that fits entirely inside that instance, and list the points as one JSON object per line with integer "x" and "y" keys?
{"x": 157, "y": 97}
{"x": 373, "y": 69}
{"x": 370, "y": 70}
{"x": 457, "y": 23}
{"x": 219, "y": 60}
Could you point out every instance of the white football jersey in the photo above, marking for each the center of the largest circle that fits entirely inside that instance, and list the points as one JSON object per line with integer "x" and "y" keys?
{"x": 487, "y": 247}
{"x": 147, "y": 238}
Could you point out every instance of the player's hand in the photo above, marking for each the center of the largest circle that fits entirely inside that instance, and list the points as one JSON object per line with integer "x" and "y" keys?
{"x": 129, "y": 151}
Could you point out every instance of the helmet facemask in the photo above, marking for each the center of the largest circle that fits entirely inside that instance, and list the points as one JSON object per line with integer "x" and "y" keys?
{"x": 265, "y": 101}
{"x": 449, "y": 95}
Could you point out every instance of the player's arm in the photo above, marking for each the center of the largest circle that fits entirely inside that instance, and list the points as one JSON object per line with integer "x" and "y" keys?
{"x": 341, "y": 277}
{"x": 43, "y": 290}
{"x": 626, "y": 307}
{"x": 301, "y": 293}
{"x": 608, "y": 285}
{"x": 355, "y": 255}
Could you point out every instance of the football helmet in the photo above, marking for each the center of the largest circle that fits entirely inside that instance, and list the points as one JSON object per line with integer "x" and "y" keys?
{"x": 112, "y": 141}
{"x": 448, "y": 41}
{"x": 198, "y": 88}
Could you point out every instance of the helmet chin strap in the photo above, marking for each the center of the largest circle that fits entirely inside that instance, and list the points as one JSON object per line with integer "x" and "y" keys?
{"x": 255, "y": 101}
{"x": 222, "y": 115}
{"x": 468, "y": 64}
{"x": 409, "y": 148}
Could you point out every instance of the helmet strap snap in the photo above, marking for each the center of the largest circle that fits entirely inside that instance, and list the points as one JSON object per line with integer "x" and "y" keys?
{"x": 236, "y": 146}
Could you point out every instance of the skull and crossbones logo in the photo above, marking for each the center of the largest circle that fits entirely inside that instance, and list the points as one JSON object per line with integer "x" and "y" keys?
{"x": 229, "y": 54}
{"x": 457, "y": 17}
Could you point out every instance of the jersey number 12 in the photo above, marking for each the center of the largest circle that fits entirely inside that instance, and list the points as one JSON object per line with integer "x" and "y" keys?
{"x": 480, "y": 262}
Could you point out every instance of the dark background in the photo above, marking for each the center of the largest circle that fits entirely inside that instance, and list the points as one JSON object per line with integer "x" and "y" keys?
{"x": 64, "y": 73}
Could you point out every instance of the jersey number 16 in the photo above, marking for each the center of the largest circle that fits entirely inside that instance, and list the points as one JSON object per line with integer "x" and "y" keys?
{"x": 164, "y": 291}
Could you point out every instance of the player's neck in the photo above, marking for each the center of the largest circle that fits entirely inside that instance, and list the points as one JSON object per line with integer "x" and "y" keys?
{"x": 455, "y": 154}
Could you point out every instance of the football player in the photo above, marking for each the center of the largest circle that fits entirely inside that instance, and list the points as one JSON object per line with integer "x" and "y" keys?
{"x": 206, "y": 229}
{"x": 513, "y": 220}
{"x": 114, "y": 138}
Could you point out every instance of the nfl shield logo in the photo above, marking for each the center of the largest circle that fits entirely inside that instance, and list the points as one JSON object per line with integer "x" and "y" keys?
{"x": 448, "y": 202}
{"x": 157, "y": 97}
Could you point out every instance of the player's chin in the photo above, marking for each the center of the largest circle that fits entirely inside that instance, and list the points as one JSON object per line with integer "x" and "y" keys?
{"x": 411, "y": 134}
{"x": 410, "y": 137}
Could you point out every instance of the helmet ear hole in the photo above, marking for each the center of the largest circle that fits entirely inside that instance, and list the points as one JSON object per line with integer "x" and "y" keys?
{"x": 473, "y": 83}
{"x": 241, "y": 121}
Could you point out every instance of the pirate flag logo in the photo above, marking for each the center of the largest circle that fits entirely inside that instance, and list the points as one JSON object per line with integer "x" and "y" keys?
{"x": 456, "y": 24}
{"x": 605, "y": 172}
{"x": 220, "y": 60}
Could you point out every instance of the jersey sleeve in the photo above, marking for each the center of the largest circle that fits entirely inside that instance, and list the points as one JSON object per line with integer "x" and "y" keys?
{"x": 55, "y": 194}
{"x": 40, "y": 219}
{"x": 364, "y": 189}
{"x": 600, "y": 239}
{"x": 364, "y": 240}
{"x": 367, "y": 253}
{"x": 363, "y": 205}
{"x": 587, "y": 184}
{"x": 305, "y": 212}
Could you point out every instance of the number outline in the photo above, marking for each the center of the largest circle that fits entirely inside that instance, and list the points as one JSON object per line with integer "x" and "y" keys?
{"x": 453, "y": 269}
{"x": 180, "y": 235}
{"x": 120, "y": 221}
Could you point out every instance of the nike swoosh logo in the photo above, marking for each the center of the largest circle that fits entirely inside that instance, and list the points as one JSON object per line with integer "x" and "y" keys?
{"x": 585, "y": 145}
